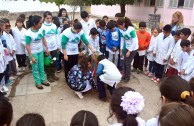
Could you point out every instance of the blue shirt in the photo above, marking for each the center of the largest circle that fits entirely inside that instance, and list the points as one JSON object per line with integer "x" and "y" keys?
{"x": 113, "y": 39}
{"x": 102, "y": 36}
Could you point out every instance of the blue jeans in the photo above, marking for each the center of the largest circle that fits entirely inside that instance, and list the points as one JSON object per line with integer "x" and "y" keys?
{"x": 102, "y": 90}
{"x": 58, "y": 61}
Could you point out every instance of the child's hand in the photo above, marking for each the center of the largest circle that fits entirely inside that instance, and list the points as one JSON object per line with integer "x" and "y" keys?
{"x": 154, "y": 54}
{"x": 66, "y": 57}
{"x": 128, "y": 54}
{"x": 172, "y": 62}
{"x": 33, "y": 60}
{"x": 164, "y": 60}
{"x": 80, "y": 54}
{"x": 183, "y": 72}
{"x": 114, "y": 49}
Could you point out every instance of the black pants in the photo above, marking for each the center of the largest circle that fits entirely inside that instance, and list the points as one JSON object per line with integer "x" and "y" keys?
{"x": 138, "y": 62}
{"x": 6, "y": 74}
{"x": 72, "y": 60}
{"x": 1, "y": 77}
{"x": 50, "y": 70}
{"x": 21, "y": 59}
{"x": 159, "y": 70}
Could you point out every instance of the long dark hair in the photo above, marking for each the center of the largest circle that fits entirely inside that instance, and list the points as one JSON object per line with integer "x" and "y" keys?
{"x": 60, "y": 12}
{"x": 128, "y": 119}
{"x": 126, "y": 20}
{"x": 31, "y": 119}
{"x": 6, "y": 112}
{"x": 33, "y": 20}
{"x": 172, "y": 88}
{"x": 84, "y": 118}
{"x": 83, "y": 62}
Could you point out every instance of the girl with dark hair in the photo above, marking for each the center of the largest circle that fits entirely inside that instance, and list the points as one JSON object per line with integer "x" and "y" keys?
{"x": 35, "y": 43}
{"x": 84, "y": 118}
{"x": 31, "y": 119}
{"x": 80, "y": 77}
{"x": 50, "y": 31}
{"x": 62, "y": 15}
{"x": 173, "y": 89}
{"x": 126, "y": 104}
{"x": 6, "y": 112}
{"x": 129, "y": 44}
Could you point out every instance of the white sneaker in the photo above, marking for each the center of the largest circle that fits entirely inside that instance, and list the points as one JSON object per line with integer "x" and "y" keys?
{"x": 20, "y": 69}
{"x": 5, "y": 89}
{"x": 18, "y": 73}
{"x": 23, "y": 69}
{"x": 12, "y": 78}
{"x": 79, "y": 94}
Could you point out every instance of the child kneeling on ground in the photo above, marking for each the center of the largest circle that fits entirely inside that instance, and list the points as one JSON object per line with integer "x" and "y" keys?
{"x": 107, "y": 74}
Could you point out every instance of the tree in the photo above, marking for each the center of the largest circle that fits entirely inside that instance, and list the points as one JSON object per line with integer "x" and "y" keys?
{"x": 57, "y": 2}
{"x": 122, "y": 3}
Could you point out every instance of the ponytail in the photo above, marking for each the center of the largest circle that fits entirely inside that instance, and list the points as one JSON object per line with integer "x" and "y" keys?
{"x": 130, "y": 120}
{"x": 33, "y": 20}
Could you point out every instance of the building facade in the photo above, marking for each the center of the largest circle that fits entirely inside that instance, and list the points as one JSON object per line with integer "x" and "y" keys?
{"x": 140, "y": 10}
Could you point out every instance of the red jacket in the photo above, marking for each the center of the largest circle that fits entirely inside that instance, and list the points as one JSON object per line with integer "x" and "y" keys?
{"x": 143, "y": 40}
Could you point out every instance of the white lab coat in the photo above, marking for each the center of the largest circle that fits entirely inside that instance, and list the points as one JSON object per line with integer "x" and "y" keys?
{"x": 94, "y": 44}
{"x": 87, "y": 26}
{"x": 150, "y": 50}
{"x": 163, "y": 48}
{"x": 11, "y": 45}
{"x": 175, "y": 54}
{"x": 18, "y": 38}
{"x": 2, "y": 58}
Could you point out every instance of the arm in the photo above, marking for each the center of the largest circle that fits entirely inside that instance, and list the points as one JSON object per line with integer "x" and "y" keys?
{"x": 91, "y": 80}
{"x": 28, "y": 41}
{"x": 147, "y": 40}
{"x": 45, "y": 45}
{"x": 108, "y": 41}
{"x": 179, "y": 63}
{"x": 170, "y": 48}
{"x": 64, "y": 41}
{"x": 99, "y": 70}
{"x": 85, "y": 41}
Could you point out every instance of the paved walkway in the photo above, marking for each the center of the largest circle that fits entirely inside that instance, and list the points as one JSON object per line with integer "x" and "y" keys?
{"x": 58, "y": 103}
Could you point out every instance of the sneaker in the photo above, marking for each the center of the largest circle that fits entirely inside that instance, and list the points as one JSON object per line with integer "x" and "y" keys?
{"x": 5, "y": 89}
{"x": 58, "y": 71}
{"x": 20, "y": 69}
{"x": 103, "y": 99}
{"x": 23, "y": 69}
{"x": 157, "y": 80}
{"x": 146, "y": 73}
{"x": 133, "y": 70}
{"x": 12, "y": 78}
{"x": 126, "y": 80}
{"x": 153, "y": 78}
{"x": 18, "y": 74}
{"x": 79, "y": 94}
{"x": 10, "y": 82}
{"x": 150, "y": 75}
{"x": 139, "y": 71}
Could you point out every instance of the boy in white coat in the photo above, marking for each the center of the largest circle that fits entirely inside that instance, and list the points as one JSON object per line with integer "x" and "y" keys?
{"x": 184, "y": 35}
{"x": 186, "y": 60}
{"x": 162, "y": 51}
{"x": 108, "y": 74}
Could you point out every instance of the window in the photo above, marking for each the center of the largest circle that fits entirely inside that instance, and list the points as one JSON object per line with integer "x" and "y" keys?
{"x": 136, "y": 3}
{"x": 181, "y": 3}
{"x": 150, "y": 3}
{"x": 159, "y": 3}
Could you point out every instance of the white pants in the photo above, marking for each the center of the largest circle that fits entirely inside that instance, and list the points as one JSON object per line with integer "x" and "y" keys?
{"x": 88, "y": 87}
{"x": 115, "y": 56}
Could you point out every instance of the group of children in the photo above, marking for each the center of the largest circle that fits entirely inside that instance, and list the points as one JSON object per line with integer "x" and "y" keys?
{"x": 125, "y": 106}
{"x": 12, "y": 48}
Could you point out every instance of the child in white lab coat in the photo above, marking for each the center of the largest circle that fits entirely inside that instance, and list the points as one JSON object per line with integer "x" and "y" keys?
{"x": 162, "y": 51}
{"x": 186, "y": 60}
{"x": 18, "y": 33}
{"x": 184, "y": 35}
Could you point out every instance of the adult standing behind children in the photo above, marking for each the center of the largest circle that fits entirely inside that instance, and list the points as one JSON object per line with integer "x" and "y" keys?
{"x": 35, "y": 43}
{"x": 144, "y": 41}
{"x": 62, "y": 15}
{"x": 51, "y": 38}
{"x": 128, "y": 46}
{"x": 18, "y": 34}
{"x": 177, "y": 22}
{"x": 70, "y": 39}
